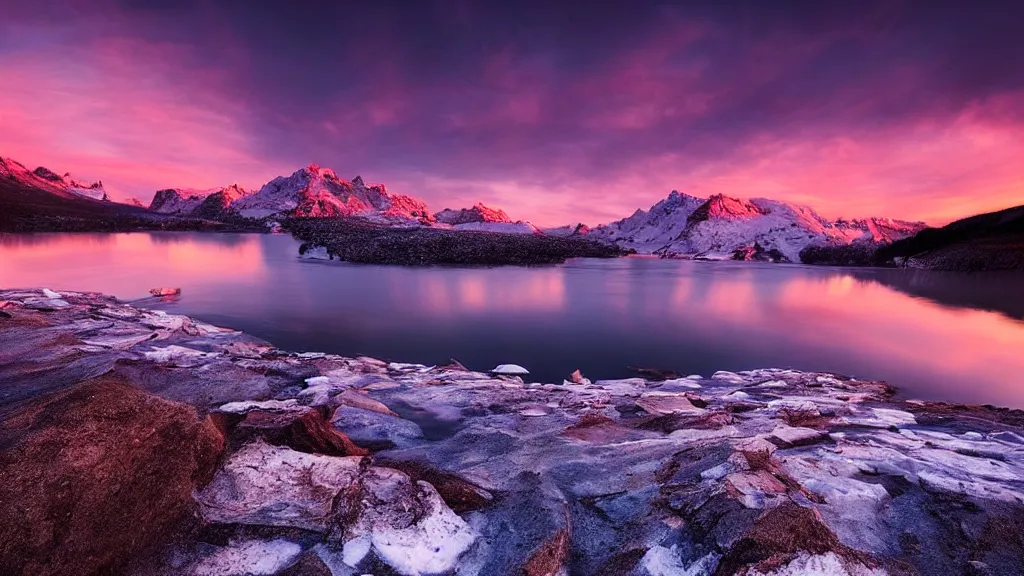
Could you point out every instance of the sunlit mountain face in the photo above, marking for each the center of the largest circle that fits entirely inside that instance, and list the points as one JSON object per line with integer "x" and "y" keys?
{"x": 557, "y": 112}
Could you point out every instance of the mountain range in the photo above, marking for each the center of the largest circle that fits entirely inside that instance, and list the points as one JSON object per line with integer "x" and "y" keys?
{"x": 726, "y": 227}
{"x": 680, "y": 225}
{"x": 46, "y": 180}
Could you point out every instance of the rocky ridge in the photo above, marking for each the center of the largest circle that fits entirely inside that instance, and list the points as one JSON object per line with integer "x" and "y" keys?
{"x": 210, "y": 203}
{"x": 345, "y": 466}
{"x": 314, "y": 191}
{"x": 49, "y": 180}
{"x": 719, "y": 226}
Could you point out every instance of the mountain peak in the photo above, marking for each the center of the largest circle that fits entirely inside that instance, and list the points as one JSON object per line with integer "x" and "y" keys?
{"x": 720, "y": 206}
{"x": 478, "y": 213}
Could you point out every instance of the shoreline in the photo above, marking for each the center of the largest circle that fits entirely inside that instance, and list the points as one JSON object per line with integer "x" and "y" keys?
{"x": 630, "y": 476}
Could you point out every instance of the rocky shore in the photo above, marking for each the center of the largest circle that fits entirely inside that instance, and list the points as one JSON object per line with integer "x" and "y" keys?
{"x": 140, "y": 442}
{"x": 354, "y": 240}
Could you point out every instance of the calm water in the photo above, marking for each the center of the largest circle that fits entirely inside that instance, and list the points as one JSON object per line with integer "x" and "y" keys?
{"x": 936, "y": 336}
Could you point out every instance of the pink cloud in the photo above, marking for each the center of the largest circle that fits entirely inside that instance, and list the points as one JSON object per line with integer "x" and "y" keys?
{"x": 115, "y": 111}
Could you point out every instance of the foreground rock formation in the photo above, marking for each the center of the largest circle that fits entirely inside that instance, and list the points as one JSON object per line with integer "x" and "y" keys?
{"x": 347, "y": 466}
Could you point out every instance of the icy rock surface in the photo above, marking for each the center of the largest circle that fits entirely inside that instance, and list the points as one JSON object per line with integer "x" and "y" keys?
{"x": 756, "y": 472}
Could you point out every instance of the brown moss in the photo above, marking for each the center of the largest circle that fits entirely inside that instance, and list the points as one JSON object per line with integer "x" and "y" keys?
{"x": 804, "y": 418}
{"x": 779, "y": 535}
{"x": 549, "y": 559}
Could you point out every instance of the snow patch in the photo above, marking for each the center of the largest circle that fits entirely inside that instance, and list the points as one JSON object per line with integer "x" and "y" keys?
{"x": 255, "y": 557}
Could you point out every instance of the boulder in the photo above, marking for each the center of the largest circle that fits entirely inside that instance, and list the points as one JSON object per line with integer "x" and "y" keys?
{"x": 509, "y": 370}
{"x": 165, "y": 291}
{"x": 405, "y": 523}
{"x": 96, "y": 474}
{"x": 302, "y": 428}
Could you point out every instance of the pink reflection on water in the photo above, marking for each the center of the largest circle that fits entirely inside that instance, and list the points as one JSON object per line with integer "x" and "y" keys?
{"x": 128, "y": 265}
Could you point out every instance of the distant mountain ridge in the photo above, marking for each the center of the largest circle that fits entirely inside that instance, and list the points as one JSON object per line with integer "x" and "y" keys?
{"x": 680, "y": 225}
{"x": 483, "y": 219}
{"x": 46, "y": 179}
{"x": 723, "y": 227}
{"x": 40, "y": 200}
{"x": 991, "y": 241}
{"x": 314, "y": 191}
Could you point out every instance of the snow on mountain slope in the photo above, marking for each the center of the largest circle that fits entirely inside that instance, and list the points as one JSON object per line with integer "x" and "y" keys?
{"x": 648, "y": 231}
{"x": 520, "y": 227}
{"x": 682, "y": 225}
{"x": 478, "y": 213}
{"x": 569, "y": 230}
{"x": 484, "y": 219}
{"x": 179, "y": 200}
{"x": 316, "y": 191}
{"x": 218, "y": 204}
{"x": 92, "y": 190}
{"x": 50, "y": 181}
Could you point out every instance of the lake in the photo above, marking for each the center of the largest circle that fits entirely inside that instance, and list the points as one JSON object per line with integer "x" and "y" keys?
{"x": 936, "y": 336}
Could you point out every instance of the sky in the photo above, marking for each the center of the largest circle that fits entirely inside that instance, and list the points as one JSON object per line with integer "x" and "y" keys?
{"x": 556, "y": 111}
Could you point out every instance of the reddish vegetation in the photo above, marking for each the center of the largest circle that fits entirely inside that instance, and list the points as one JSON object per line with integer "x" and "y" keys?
{"x": 778, "y": 536}
{"x": 549, "y": 559}
{"x": 95, "y": 474}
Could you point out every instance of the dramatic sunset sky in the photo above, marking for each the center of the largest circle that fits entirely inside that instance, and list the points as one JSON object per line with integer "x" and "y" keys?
{"x": 555, "y": 111}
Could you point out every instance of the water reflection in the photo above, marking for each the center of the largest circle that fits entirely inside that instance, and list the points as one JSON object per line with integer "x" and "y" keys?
{"x": 934, "y": 335}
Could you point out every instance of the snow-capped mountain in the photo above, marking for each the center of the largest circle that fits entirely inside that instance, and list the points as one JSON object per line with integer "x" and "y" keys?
{"x": 212, "y": 203}
{"x": 719, "y": 226}
{"x": 50, "y": 181}
{"x": 647, "y": 231}
{"x": 478, "y": 213}
{"x": 316, "y": 191}
{"x": 576, "y": 229}
{"x": 178, "y": 200}
{"x": 484, "y": 219}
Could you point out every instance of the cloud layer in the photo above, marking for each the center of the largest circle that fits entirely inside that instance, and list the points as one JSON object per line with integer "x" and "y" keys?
{"x": 556, "y": 112}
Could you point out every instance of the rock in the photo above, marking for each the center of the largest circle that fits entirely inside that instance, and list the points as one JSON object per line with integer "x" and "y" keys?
{"x": 764, "y": 472}
{"x": 660, "y": 404}
{"x": 266, "y": 485}
{"x": 51, "y": 294}
{"x": 407, "y": 524}
{"x": 796, "y": 436}
{"x": 165, "y": 291}
{"x": 375, "y": 430}
{"x": 657, "y": 374}
{"x": 790, "y": 535}
{"x": 363, "y": 402}
{"x": 509, "y": 370}
{"x": 250, "y": 557}
{"x": 454, "y": 365}
{"x": 577, "y": 378}
{"x": 302, "y": 428}
{"x": 459, "y": 494}
{"x": 96, "y": 474}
